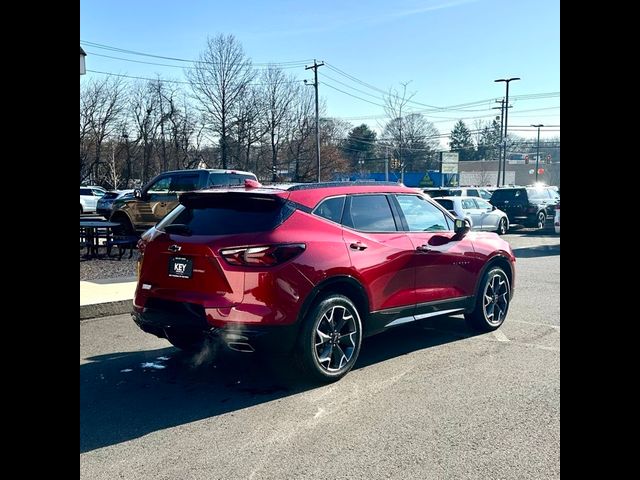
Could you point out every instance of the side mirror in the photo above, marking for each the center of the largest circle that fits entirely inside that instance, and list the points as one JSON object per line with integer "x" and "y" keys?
{"x": 137, "y": 193}
{"x": 493, "y": 207}
{"x": 461, "y": 226}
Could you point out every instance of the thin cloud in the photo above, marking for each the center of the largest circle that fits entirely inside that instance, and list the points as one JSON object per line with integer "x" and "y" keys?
{"x": 350, "y": 21}
{"x": 430, "y": 8}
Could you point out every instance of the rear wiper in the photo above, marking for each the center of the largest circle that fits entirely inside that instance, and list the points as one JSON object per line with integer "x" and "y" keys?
{"x": 178, "y": 228}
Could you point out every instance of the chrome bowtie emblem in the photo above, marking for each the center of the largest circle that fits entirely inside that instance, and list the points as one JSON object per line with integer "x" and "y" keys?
{"x": 175, "y": 248}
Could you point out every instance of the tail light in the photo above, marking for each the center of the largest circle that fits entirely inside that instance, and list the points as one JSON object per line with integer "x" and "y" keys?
{"x": 262, "y": 256}
{"x": 147, "y": 237}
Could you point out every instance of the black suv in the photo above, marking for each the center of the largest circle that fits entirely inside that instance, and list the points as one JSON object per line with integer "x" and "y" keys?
{"x": 528, "y": 206}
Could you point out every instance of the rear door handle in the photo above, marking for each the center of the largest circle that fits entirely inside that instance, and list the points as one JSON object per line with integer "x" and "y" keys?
{"x": 424, "y": 248}
{"x": 357, "y": 246}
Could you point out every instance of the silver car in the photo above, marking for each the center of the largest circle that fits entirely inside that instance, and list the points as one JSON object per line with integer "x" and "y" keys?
{"x": 480, "y": 213}
{"x": 105, "y": 204}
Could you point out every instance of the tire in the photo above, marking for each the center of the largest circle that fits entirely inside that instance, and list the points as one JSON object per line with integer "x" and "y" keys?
{"x": 503, "y": 226}
{"x": 328, "y": 350}
{"x": 541, "y": 220}
{"x": 125, "y": 227}
{"x": 492, "y": 304}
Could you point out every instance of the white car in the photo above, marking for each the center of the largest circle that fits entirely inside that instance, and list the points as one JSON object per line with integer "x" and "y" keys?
{"x": 556, "y": 220}
{"x": 89, "y": 198}
{"x": 480, "y": 213}
{"x": 458, "y": 192}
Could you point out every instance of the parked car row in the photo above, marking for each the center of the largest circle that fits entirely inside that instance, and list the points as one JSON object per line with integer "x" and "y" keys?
{"x": 531, "y": 206}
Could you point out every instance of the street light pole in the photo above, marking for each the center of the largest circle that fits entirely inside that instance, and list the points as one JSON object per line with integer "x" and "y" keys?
{"x": 506, "y": 117}
{"x": 537, "y": 148}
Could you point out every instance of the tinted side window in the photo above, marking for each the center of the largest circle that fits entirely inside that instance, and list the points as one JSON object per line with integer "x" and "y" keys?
{"x": 85, "y": 191}
{"x": 160, "y": 186}
{"x": 510, "y": 194}
{"x": 226, "y": 179}
{"x": 535, "y": 194}
{"x": 184, "y": 183}
{"x": 420, "y": 215}
{"x": 370, "y": 213}
{"x": 331, "y": 209}
{"x": 473, "y": 193}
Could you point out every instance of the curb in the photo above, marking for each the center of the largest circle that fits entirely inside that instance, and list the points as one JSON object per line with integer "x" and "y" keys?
{"x": 105, "y": 309}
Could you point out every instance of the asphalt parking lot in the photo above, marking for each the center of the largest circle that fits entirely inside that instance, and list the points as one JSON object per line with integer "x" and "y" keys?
{"x": 426, "y": 400}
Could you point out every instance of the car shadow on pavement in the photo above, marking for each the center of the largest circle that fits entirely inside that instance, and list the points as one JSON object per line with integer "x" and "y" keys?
{"x": 537, "y": 251}
{"x": 125, "y": 395}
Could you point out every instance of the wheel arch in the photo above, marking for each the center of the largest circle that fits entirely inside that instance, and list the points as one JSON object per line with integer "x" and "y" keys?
{"x": 343, "y": 285}
{"x": 121, "y": 215}
{"x": 498, "y": 260}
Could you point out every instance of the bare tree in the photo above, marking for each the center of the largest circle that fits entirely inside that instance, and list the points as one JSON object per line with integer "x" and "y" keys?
{"x": 277, "y": 97}
{"x": 101, "y": 103}
{"x": 394, "y": 103}
{"x": 145, "y": 115}
{"x": 218, "y": 81}
{"x": 300, "y": 144}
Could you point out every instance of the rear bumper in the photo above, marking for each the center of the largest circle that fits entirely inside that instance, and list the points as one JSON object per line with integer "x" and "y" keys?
{"x": 106, "y": 213}
{"x": 166, "y": 316}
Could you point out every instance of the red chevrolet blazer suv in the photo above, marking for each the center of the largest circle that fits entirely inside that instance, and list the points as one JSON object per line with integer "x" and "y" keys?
{"x": 311, "y": 269}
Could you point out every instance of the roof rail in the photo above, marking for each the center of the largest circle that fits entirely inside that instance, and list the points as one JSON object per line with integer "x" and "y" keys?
{"x": 306, "y": 186}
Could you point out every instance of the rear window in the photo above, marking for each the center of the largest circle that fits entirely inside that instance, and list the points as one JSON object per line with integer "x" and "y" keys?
{"x": 447, "y": 204}
{"x": 222, "y": 215}
{"x": 228, "y": 179}
{"x": 509, "y": 194}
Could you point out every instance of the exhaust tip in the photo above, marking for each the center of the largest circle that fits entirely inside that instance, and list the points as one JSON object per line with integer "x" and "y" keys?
{"x": 241, "y": 347}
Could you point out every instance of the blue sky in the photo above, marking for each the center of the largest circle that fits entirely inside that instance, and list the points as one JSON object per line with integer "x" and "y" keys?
{"x": 450, "y": 51}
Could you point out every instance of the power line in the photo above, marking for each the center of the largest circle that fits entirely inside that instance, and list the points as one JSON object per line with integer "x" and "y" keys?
{"x": 297, "y": 63}
{"x": 170, "y": 81}
{"x": 351, "y": 95}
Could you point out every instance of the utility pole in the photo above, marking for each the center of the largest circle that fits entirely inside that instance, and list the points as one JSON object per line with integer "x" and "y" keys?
{"x": 506, "y": 117}
{"x": 501, "y": 107}
{"x": 538, "y": 148}
{"x": 386, "y": 166}
{"x": 400, "y": 148}
{"x": 315, "y": 86}
{"x": 165, "y": 166}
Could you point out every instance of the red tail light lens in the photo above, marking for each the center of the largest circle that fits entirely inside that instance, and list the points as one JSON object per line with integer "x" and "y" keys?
{"x": 262, "y": 256}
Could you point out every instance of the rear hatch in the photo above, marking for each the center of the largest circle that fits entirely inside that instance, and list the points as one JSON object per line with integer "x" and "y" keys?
{"x": 183, "y": 263}
{"x": 512, "y": 201}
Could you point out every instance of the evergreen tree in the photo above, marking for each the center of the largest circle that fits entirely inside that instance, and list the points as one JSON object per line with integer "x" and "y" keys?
{"x": 461, "y": 141}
